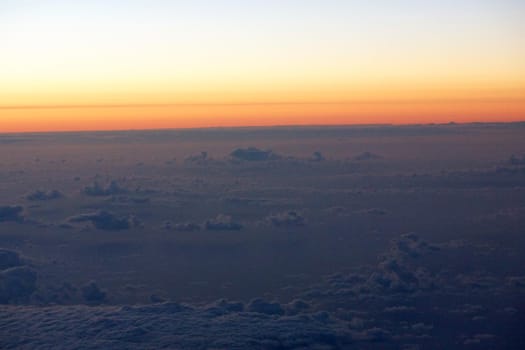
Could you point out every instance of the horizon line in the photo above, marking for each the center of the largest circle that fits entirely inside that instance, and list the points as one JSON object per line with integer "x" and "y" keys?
{"x": 262, "y": 103}
{"x": 451, "y": 123}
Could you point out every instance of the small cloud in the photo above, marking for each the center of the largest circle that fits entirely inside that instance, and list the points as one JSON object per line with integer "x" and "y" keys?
{"x": 252, "y": 154}
{"x": 11, "y": 213}
{"x": 222, "y": 223}
{"x": 104, "y": 220}
{"x": 297, "y": 306}
{"x": 373, "y": 211}
{"x": 44, "y": 196}
{"x": 367, "y": 156}
{"x": 317, "y": 157}
{"x": 197, "y": 159}
{"x": 286, "y": 219}
{"x": 97, "y": 190}
{"x": 262, "y": 306}
{"x": 186, "y": 227}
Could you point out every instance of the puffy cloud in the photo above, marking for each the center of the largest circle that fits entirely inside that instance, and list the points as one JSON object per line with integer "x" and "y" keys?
{"x": 17, "y": 284}
{"x": 92, "y": 294}
{"x": 297, "y": 306}
{"x": 286, "y": 219}
{"x": 98, "y": 190}
{"x": 201, "y": 158}
{"x": 11, "y": 213}
{"x": 44, "y": 195}
{"x": 222, "y": 326}
{"x": 253, "y": 154}
{"x": 265, "y": 307}
{"x": 222, "y": 223}
{"x": 104, "y": 220}
{"x": 9, "y": 258}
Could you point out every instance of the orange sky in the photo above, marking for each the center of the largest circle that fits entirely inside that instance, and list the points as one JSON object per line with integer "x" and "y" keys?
{"x": 92, "y": 66}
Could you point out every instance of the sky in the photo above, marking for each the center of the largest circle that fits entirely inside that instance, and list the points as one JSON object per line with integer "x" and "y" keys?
{"x": 93, "y": 65}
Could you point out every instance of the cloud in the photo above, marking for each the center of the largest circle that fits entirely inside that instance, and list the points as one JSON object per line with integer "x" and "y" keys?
{"x": 97, "y": 190}
{"x": 286, "y": 219}
{"x": 17, "y": 284}
{"x": 9, "y": 258}
{"x": 222, "y": 223}
{"x": 373, "y": 211}
{"x": 11, "y": 213}
{"x": 186, "y": 227}
{"x": 265, "y": 307}
{"x": 221, "y": 326}
{"x": 516, "y": 160}
{"x": 104, "y": 220}
{"x": 44, "y": 196}
{"x": 92, "y": 294}
{"x": 367, "y": 156}
{"x": 317, "y": 157}
{"x": 252, "y": 154}
{"x": 200, "y": 159}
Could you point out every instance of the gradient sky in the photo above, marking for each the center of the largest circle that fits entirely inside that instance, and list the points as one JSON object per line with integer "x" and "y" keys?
{"x": 108, "y": 64}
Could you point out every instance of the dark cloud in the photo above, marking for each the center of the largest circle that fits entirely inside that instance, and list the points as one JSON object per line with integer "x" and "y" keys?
{"x": 17, "y": 284}
{"x": 200, "y": 159}
{"x": 297, "y": 306}
{"x": 186, "y": 227}
{"x": 252, "y": 154}
{"x": 373, "y": 211}
{"x": 516, "y": 160}
{"x": 224, "y": 307}
{"x": 98, "y": 190}
{"x": 286, "y": 219}
{"x": 92, "y": 294}
{"x": 221, "y": 326}
{"x": 367, "y": 156}
{"x": 9, "y": 258}
{"x": 44, "y": 195}
{"x": 11, "y": 213}
{"x": 317, "y": 157}
{"x": 104, "y": 220}
{"x": 222, "y": 223}
{"x": 265, "y": 307}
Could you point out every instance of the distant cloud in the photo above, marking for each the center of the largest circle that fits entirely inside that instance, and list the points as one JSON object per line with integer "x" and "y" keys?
{"x": 17, "y": 280}
{"x": 317, "y": 157}
{"x": 373, "y": 211}
{"x": 92, "y": 294}
{"x": 286, "y": 219}
{"x": 197, "y": 159}
{"x": 252, "y": 154}
{"x": 222, "y": 223}
{"x": 11, "y": 213}
{"x": 44, "y": 195}
{"x": 104, "y": 220}
{"x": 9, "y": 258}
{"x": 516, "y": 160}
{"x": 186, "y": 227}
{"x": 113, "y": 188}
{"x": 265, "y": 307}
{"x": 367, "y": 156}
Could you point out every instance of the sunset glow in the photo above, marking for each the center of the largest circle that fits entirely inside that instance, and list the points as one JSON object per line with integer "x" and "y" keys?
{"x": 102, "y": 65}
